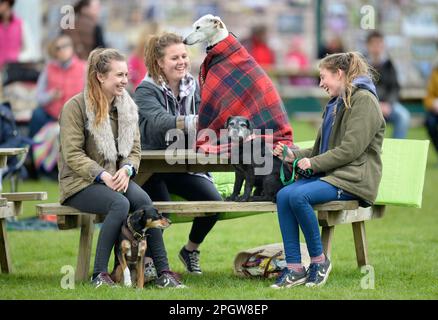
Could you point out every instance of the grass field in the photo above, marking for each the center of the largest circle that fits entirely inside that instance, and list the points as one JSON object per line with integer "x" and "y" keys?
{"x": 403, "y": 249}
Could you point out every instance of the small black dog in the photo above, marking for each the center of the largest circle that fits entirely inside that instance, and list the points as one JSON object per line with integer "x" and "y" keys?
{"x": 131, "y": 247}
{"x": 266, "y": 186}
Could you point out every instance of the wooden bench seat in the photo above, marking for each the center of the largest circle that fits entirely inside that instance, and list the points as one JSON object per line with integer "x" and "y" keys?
{"x": 11, "y": 205}
{"x": 329, "y": 215}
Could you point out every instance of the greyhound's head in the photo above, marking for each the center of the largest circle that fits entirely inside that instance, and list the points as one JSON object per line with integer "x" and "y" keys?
{"x": 208, "y": 29}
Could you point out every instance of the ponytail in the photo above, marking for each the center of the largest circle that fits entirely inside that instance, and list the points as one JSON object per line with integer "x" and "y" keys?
{"x": 353, "y": 64}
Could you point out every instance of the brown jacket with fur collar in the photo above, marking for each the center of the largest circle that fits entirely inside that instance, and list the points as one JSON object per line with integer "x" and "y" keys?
{"x": 86, "y": 150}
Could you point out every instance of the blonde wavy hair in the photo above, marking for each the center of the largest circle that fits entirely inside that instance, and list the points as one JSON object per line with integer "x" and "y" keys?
{"x": 154, "y": 51}
{"x": 353, "y": 64}
{"x": 99, "y": 62}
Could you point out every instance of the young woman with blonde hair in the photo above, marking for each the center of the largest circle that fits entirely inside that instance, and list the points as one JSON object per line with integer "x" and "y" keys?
{"x": 99, "y": 154}
{"x": 345, "y": 160}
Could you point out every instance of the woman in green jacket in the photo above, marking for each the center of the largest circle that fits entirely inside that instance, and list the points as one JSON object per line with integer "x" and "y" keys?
{"x": 345, "y": 161}
{"x": 99, "y": 153}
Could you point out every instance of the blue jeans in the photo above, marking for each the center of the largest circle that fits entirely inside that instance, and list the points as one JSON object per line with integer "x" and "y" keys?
{"x": 400, "y": 119}
{"x": 432, "y": 127}
{"x": 294, "y": 206}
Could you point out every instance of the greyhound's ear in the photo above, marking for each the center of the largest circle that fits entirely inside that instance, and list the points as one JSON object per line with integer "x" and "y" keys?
{"x": 218, "y": 23}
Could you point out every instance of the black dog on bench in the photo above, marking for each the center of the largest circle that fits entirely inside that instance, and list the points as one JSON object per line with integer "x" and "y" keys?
{"x": 266, "y": 186}
{"x": 131, "y": 247}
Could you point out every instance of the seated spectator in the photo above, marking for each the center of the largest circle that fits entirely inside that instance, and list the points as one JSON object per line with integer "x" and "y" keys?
{"x": 431, "y": 105}
{"x": 387, "y": 86}
{"x": 297, "y": 60}
{"x": 14, "y": 35}
{"x": 88, "y": 33}
{"x": 136, "y": 64}
{"x": 257, "y": 46}
{"x": 334, "y": 45}
{"x": 61, "y": 79}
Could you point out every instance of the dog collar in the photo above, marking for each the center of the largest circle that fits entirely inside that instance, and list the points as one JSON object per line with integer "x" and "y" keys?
{"x": 138, "y": 236}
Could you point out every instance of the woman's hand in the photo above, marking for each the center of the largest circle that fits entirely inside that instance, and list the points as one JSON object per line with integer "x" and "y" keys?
{"x": 121, "y": 180}
{"x": 304, "y": 164}
{"x": 108, "y": 180}
{"x": 278, "y": 152}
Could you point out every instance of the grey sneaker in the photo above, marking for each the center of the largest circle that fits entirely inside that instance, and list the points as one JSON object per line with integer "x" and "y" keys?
{"x": 103, "y": 279}
{"x": 190, "y": 259}
{"x": 318, "y": 273}
{"x": 290, "y": 278}
{"x": 169, "y": 279}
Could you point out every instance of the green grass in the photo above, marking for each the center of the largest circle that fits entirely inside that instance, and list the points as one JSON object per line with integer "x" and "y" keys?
{"x": 403, "y": 250}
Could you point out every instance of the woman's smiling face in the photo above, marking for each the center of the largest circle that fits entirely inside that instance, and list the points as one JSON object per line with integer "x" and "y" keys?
{"x": 332, "y": 82}
{"x": 114, "y": 81}
{"x": 175, "y": 63}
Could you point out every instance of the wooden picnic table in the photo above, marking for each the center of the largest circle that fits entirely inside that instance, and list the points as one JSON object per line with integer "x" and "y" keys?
{"x": 7, "y": 152}
{"x": 161, "y": 161}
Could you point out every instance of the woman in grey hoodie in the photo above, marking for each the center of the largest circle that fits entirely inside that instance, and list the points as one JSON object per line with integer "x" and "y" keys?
{"x": 168, "y": 99}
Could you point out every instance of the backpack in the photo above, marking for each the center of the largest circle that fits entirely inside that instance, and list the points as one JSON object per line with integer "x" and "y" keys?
{"x": 10, "y": 137}
{"x": 266, "y": 261}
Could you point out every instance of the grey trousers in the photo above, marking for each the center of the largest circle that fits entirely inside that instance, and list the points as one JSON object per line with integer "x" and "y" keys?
{"x": 98, "y": 198}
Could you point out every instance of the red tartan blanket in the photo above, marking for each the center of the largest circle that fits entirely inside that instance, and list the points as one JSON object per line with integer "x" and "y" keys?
{"x": 233, "y": 84}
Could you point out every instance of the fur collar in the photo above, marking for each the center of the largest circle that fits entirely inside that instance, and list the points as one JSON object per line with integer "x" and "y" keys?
{"x": 103, "y": 134}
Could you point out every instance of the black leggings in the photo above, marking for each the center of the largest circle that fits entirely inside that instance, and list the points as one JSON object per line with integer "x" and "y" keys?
{"x": 98, "y": 198}
{"x": 190, "y": 187}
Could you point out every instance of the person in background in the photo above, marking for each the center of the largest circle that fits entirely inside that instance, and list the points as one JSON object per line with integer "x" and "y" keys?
{"x": 333, "y": 45}
{"x": 168, "y": 98}
{"x": 88, "y": 33}
{"x": 100, "y": 153}
{"x": 136, "y": 64}
{"x": 62, "y": 78}
{"x": 345, "y": 160}
{"x": 14, "y": 33}
{"x": 257, "y": 46}
{"x": 297, "y": 61}
{"x": 431, "y": 104}
{"x": 387, "y": 86}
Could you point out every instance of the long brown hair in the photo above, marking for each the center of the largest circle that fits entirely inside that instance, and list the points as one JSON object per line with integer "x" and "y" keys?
{"x": 99, "y": 61}
{"x": 154, "y": 51}
{"x": 353, "y": 64}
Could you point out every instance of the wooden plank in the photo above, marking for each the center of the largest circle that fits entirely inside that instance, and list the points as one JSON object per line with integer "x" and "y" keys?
{"x": 230, "y": 206}
{"x": 25, "y": 196}
{"x": 214, "y": 206}
{"x": 56, "y": 209}
{"x": 7, "y": 211}
{"x": 5, "y": 259}
{"x": 360, "y": 243}
{"x": 337, "y": 205}
{"x": 331, "y": 218}
{"x": 12, "y": 151}
{"x": 85, "y": 246}
{"x": 326, "y": 239}
{"x": 3, "y": 202}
